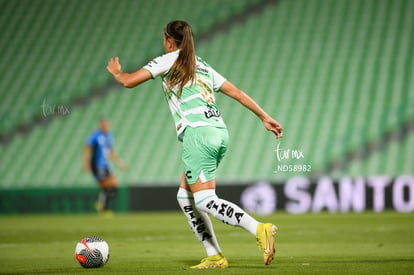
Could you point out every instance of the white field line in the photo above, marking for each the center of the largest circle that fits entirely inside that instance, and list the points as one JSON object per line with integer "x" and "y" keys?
{"x": 138, "y": 238}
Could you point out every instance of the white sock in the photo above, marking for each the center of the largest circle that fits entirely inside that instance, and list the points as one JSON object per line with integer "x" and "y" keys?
{"x": 102, "y": 198}
{"x": 199, "y": 222}
{"x": 225, "y": 211}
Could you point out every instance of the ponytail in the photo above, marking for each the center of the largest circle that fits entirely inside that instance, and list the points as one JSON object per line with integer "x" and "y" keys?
{"x": 184, "y": 67}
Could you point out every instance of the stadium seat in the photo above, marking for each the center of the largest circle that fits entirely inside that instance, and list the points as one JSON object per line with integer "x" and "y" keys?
{"x": 335, "y": 74}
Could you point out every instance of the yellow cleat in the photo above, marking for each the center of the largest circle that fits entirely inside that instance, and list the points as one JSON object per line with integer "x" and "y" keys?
{"x": 265, "y": 239}
{"x": 107, "y": 213}
{"x": 213, "y": 261}
{"x": 99, "y": 207}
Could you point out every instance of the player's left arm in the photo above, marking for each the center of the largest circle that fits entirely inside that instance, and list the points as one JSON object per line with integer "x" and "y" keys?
{"x": 270, "y": 124}
{"x": 117, "y": 160}
{"x": 128, "y": 80}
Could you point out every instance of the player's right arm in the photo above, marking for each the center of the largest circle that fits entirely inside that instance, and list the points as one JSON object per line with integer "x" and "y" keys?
{"x": 128, "y": 80}
{"x": 85, "y": 158}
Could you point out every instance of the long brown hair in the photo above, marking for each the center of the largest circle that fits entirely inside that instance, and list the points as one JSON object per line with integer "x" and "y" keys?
{"x": 184, "y": 67}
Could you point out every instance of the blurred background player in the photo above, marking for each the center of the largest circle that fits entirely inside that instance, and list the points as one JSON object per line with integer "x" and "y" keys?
{"x": 96, "y": 155}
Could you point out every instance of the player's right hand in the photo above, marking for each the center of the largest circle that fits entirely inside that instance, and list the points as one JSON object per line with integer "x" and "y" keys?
{"x": 86, "y": 168}
{"x": 114, "y": 67}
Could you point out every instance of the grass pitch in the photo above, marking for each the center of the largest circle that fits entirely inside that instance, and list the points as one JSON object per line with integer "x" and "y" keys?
{"x": 162, "y": 243}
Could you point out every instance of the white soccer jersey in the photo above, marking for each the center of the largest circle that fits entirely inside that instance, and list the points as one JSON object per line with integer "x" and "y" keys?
{"x": 197, "y": 104}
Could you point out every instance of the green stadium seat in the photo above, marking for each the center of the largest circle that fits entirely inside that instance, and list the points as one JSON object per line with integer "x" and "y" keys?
{"x": 335, "y": 74}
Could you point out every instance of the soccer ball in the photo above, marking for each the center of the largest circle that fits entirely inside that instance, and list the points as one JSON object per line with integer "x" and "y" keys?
{"x": 92, "y": 252}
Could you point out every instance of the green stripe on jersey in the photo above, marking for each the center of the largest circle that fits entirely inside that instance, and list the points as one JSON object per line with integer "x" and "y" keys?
{"x": 197, "y": 104}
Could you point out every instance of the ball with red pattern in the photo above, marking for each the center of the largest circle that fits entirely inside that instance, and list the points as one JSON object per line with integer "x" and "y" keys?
{"x": 92, "y": 252}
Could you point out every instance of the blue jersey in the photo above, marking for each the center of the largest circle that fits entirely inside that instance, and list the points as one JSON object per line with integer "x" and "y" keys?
{"x": 101, "y": 145}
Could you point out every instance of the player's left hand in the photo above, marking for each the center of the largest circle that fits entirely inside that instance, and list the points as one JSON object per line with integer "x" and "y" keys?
{"x": 273, "y": 126}
{"x": 124, "y": 167}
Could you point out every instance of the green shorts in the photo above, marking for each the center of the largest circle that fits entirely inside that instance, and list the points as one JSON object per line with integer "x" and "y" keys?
{"x": 203, "y": 149}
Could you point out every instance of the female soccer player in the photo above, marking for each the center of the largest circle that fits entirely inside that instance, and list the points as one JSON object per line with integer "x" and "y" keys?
{"x": 189, "y": 85}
